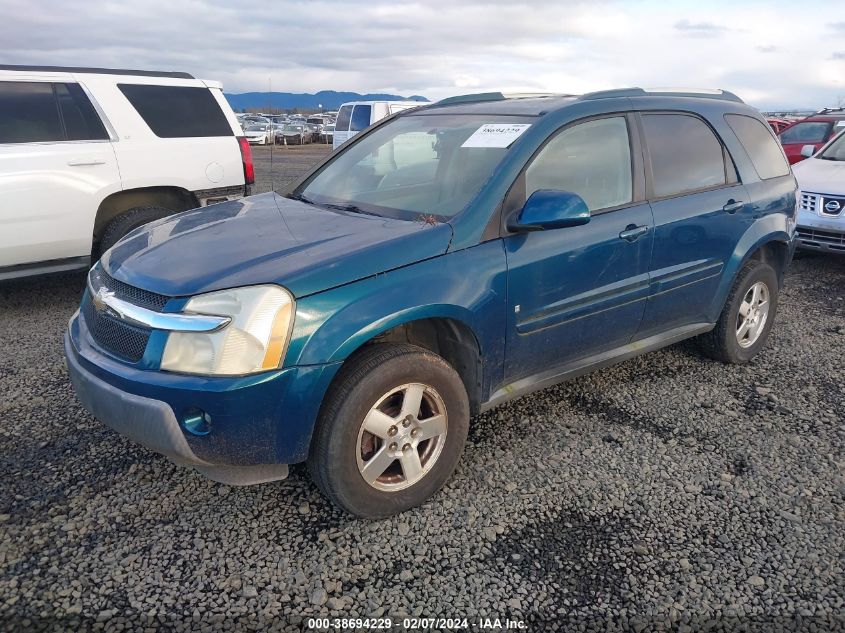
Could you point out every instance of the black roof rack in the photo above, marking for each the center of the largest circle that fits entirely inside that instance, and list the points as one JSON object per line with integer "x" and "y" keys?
{"x": 98, "y": 71}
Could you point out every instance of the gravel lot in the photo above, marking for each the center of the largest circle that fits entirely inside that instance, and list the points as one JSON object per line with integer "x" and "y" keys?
{"x": 666, "y": 493}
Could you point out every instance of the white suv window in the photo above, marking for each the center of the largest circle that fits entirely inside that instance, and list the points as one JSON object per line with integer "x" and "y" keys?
{"x": 178, "y": 111}
{"x": 28, "y": 113}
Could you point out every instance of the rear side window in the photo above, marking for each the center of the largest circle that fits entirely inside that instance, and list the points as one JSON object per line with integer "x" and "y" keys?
{"x": 29, "y": 113}
{"x": 592, "y": 159}
{"x": 685, "y": 154}
{"x": 762, "y": 148}
{"x": 342, "y": 123}
{"x": 360, "y": 118}
{"x": 178, "y": 111}
{"x": 807, "y": 132}
{"x": 82, "y": 123}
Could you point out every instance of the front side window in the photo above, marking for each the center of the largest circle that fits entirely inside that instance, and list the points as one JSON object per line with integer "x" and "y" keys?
{"x": 178, "y": 111}
{"x": 592, "y": 159}
{"x": 764, "y": 152}
{"x": 412, "y": 166}
{"x": 807, "y": 132}
{"x": 685, "y": 154}
{"x": 29, "y": 113}
{"x": 360, "y": 118}
{"x": 343, "y": 116}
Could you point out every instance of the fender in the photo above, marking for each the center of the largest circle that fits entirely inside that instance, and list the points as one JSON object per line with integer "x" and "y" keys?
{"x": 773, "y": 227}
{"x": 331, "y": 325}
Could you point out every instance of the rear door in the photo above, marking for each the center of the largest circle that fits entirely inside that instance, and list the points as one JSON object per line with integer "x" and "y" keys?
{"x": 700, "y": 212}
{"x": 578, "y": 291}
{"x": 56, "y": 165}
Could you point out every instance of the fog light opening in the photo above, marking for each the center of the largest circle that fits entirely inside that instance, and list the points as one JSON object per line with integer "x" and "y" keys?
{"x": 197, "y": 422}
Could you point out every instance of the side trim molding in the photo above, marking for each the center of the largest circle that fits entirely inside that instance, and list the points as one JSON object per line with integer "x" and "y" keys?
{"x": 583, "y": 366}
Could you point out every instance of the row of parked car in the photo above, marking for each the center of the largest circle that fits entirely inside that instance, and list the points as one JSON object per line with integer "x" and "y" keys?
{"x": 265, "y": 129}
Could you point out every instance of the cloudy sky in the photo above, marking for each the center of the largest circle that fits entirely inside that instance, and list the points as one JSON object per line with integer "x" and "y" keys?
{"x": 773, "y": 54}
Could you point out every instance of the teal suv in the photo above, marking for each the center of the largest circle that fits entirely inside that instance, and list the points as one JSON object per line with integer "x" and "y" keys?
{"x": 442, "y": 262}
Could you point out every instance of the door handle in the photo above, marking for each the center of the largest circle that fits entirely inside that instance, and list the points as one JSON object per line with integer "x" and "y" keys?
{"x": 84, "y": 163}
{"x": 632, "y": 232}
{"x": 733, "y": 206}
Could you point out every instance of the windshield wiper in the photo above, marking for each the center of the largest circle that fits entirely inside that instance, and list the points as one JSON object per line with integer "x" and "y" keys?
{"x": 351, "y": 208}
{"x": 830, "y": 158}
{"x": 301, "y": 198}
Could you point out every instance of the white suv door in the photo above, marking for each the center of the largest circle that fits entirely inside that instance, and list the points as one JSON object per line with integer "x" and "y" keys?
{"x": 56, "y": 163}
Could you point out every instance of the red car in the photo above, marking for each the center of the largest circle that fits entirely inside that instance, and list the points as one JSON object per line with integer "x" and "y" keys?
{"x": 778, "y": 124}
{"x": 815, "y": 130}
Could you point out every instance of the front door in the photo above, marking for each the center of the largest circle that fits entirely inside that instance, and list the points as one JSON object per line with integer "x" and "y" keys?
{"x": 578, "y": 291}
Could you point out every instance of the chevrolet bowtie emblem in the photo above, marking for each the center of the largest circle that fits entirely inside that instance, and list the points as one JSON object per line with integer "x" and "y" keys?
{"x": 99, "y": 299}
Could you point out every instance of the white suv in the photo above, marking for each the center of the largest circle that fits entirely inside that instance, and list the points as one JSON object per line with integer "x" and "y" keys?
{"x": 88, "y": 154}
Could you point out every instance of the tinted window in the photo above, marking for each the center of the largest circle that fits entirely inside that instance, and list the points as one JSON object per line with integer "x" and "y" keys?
{"x": 807, "y": 132}
{"x": 82, "y": 123}
{"x": 685, "y": 154}
{"x": 592, "y": 159}
{"x": 360, "y": 118}
{"x": 343, "y": 117}
{"x": 28, "y": 113}
{"x": 764, "y": 151}
{"x": 177, "y": 111}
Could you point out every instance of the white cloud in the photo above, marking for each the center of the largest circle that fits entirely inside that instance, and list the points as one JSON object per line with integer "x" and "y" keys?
{"x": 442, "y": 47}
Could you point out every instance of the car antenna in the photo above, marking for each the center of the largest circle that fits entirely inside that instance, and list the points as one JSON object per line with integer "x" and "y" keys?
{"x": 272, "y": 132}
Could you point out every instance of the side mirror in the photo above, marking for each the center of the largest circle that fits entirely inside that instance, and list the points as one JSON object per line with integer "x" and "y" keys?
{"x": 550, "y": 209}
{"x": 808, "y": 150}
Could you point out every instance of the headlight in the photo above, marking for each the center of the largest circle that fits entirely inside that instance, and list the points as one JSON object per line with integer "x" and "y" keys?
{"x": 255, "y": 339}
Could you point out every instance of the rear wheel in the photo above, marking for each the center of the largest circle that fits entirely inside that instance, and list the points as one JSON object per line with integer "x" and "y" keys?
{"x": 390, "y": 432}
{"x": 747, "y": 318}
{"x": 128, "y": 221}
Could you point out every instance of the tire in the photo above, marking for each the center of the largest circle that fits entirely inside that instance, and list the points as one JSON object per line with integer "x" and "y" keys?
{"x": 129, "y": 220}
{"x": 341, "y": 449}
{"x": 724, "y": 342}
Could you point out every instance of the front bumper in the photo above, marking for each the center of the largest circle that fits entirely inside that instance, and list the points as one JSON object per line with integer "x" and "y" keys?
{"x": 821, "y": 234}
{"x": 259, "y": 423}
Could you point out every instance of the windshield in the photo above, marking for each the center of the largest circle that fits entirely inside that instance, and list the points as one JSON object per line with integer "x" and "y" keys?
{"x": 807, "y": 132}
{"x": 255, "y": 127}
{"x": 836, "y": 150}
{"x": 413, "y": 166}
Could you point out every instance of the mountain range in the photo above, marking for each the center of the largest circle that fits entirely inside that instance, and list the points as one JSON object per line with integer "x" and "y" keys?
{"x": 327, "y": 99}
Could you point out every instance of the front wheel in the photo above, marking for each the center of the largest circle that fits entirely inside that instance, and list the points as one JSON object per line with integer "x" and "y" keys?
{"x": 391, "y": 430}
{"x": 747, "y": 318}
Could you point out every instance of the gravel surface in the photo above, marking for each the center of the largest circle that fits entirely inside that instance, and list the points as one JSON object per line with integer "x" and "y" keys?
{"x": 667, "y": 493}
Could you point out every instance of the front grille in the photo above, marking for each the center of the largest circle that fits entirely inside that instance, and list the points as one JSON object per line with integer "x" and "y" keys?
{"x": 144, "y": 298}
{"x": 814, "y": 237}
{"x": 111, "y": 333}
{"x": 808, "y": 202}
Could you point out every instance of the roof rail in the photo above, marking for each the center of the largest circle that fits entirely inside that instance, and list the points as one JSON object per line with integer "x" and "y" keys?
{"x": 496, "y": 96}
{"x": 97, "y": 71}
{"x": 706, "y": 93}
{"x": 829, "y": 110}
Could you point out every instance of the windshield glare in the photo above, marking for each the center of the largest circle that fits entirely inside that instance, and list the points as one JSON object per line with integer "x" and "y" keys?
{"x": 411, "y": 167}
{"x": 836, "y": 150}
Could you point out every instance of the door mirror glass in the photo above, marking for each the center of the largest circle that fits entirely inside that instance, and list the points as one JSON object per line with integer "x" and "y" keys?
{"x": 808, "y": 150}
{"x": 550, "y": 209}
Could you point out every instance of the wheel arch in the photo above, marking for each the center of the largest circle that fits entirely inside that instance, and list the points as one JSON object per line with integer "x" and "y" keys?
{"x": 174, "y": 198}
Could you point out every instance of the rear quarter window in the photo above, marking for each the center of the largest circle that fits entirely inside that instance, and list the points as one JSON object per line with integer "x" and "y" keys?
{"x": 762, "y": 148}
{"x": 178, "y": 111}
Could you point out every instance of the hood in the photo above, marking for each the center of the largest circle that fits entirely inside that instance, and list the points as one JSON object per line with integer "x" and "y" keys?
{"x": 268, "y": 239}
{"x": 821, "y": 176}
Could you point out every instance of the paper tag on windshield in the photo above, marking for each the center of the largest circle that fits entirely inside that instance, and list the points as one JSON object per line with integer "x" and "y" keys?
{"x": 496, "y": 134}
{"x": 840, "y": 123}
